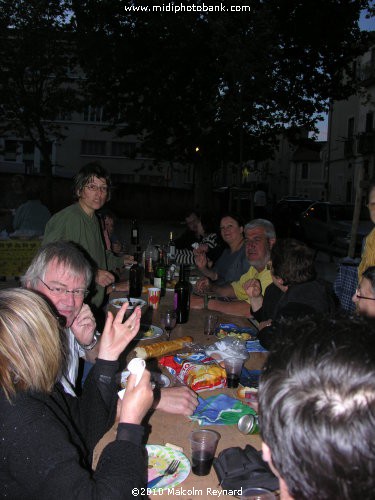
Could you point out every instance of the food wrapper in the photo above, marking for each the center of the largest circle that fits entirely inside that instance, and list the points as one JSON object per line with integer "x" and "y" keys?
{"x": 196, "y": 370}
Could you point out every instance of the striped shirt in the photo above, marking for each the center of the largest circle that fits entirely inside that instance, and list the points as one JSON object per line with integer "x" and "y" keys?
{"x": 186, "y": 255}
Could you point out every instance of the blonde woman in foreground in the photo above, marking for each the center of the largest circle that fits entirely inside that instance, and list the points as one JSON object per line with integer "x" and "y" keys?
{"x": 47, "y": 436}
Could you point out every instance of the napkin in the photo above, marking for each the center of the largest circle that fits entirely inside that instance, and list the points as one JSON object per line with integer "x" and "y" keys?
{"x": 220, "y": 410}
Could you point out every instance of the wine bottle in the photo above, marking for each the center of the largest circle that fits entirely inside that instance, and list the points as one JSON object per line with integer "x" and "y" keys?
{"x": 182, "y": 297}
{"x": 160, "y": 277}
{"x": 136, "y": 277}
{"x": 171, "y": 249}
{"x": 149, "y": 270}
{"x": 134, "y": 234}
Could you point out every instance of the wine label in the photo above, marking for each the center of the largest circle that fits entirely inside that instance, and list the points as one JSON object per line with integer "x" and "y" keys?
{"x": 157, "y": 282}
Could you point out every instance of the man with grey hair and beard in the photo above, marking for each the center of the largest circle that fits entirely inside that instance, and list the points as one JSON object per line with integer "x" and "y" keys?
{"x": 61, "y": 273}
{"x": 232, "y": 299}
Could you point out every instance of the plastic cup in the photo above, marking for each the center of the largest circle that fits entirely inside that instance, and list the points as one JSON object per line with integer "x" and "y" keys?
{"x": 210, "y": 324}
{"x": 203, "y": 447}
{"x": 257, "y": 494}
{"x": 153, "y": 297}
{"x": 233, "y": 367}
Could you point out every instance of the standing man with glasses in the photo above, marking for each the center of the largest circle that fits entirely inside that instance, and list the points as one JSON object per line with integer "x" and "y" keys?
{"x": 79, "y": 223}
{"x": 233, "y": 299}
{"x": 364, "y": 297}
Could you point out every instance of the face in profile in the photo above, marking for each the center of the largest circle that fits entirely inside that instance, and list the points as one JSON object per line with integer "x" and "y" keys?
{"x": 193, "y": 223}
{"x": 371, "y": 204}
{"x": 364, "y": 298}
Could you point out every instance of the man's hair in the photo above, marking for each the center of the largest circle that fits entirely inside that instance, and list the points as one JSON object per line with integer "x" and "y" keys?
{"x": 317, "y": 408}
{"x": 65, "y": 253}
{"x": 266, "y": 224}
{"x": 370, "y": 275}
{"x": 87, "y": 173}
{"x": 31, "y": 351}
{"x": 292, "y": 261}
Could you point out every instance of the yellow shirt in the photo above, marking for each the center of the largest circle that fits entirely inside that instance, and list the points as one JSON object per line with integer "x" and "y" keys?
{"x": 264, "y": 277}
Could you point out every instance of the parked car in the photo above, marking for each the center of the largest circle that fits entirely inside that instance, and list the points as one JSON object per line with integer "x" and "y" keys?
{"x": 286, "y": 215}
{"x": 327, "y": 226}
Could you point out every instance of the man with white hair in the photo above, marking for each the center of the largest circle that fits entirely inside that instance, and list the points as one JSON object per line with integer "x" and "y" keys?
{"x": 61, "y": 273}
{"x": 260, "y": 236}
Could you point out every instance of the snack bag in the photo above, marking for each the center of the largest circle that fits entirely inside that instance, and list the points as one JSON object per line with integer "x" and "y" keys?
{"x": 196, "y": 370}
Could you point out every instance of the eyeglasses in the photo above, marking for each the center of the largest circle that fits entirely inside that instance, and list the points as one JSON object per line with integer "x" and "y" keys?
{"x": 94, "y": 187}
{"x": 254, "y": 241}
{"x": 357, "y": 294}
{"x": 60, "y": 290}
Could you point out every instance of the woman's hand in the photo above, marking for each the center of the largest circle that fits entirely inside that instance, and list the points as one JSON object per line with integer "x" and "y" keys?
{"x": 128, "y": 260}
{"x": 137, "y": 400}
{"x": 253, "y": 288}
{"x": 202, "y": 285}
{"x": 117, "y": 335}
{"x": 104, "y": 278}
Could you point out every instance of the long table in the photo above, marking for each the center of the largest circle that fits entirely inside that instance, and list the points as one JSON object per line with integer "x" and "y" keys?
{"x": 175, "y": 429}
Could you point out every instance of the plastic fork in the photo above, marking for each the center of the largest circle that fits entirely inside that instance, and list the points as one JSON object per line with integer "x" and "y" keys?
{"x": 171, "y": 469}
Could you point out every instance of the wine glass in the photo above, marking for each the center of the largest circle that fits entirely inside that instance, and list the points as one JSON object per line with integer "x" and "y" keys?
{"x": 168, "y": 321}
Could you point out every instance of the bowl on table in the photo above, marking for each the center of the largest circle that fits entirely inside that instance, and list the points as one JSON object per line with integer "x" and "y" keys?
{"x": 117, "y": 303}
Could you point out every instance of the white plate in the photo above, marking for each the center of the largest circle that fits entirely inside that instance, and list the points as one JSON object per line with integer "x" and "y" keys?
{"x": 159, "y": 457}
{"x": 135, "y": 302}
{"x": 149, "y": 332}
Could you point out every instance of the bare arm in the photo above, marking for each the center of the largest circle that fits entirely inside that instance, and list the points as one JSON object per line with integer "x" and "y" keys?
{"x": 223, "y": 290}
{"x": 236, "y": 308}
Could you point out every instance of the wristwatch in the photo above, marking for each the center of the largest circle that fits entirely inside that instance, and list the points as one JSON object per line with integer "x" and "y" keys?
{"x": 88, "y": 347}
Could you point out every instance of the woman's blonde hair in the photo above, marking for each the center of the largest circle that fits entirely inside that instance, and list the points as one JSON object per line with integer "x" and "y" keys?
{"x": 31, "y": 351}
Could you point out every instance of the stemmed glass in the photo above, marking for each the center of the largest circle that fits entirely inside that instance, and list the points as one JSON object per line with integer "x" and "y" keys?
{"x": 168, "y": 321}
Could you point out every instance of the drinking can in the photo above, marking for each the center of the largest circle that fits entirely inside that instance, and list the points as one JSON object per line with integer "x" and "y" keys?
{"x": 248, "y": 424}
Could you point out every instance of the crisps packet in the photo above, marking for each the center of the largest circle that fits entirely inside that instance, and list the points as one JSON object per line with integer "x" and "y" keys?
{"x": 196, "y": 370}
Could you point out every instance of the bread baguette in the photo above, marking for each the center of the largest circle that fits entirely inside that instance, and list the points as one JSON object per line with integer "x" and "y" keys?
{"x": 161, "y": 348}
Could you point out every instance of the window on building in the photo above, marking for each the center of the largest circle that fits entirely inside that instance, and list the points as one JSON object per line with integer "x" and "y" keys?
{"x": 127, "y": 149}
{"x": 369, "y": 127}
{"x": 95, "y": 148}
{"x": 305, "y": 171}
{"x": 10, "y": 150}
{"x": 92, "y": 114}
{"x": 350, "y": 128}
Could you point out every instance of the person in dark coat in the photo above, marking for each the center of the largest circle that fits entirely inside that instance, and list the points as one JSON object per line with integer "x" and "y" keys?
{"x": 295, "y": 291}
{"x": 47, "y": 436}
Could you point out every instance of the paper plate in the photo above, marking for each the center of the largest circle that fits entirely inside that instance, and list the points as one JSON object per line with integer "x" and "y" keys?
{"x": 149, "y": 332}
{"x": 231, "y": 330}
{"x": 159, "y": 457}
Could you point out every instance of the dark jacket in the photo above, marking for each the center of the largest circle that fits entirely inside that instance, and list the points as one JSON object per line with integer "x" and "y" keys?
{"x": 311, "y": 297}
{"x": 47, "y": 441}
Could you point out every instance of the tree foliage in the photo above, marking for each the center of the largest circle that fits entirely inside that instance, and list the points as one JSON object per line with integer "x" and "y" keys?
{"x": 226, "y": 81}
{"x": 37, "y": 56}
